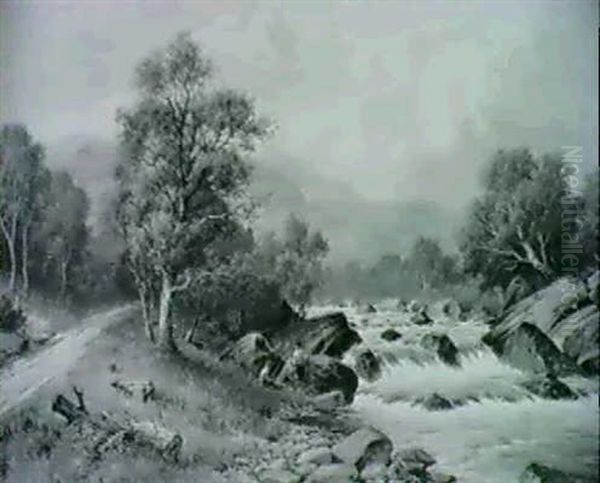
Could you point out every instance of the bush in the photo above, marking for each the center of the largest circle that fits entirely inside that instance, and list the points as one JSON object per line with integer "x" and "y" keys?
{"x": 12, "y": 318}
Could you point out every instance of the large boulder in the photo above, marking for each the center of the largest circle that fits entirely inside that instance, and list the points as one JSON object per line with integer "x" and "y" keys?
{"x": 549, "y": 387}
{"x": 363, "y": 448}
{"x": 367, "y": 365}
{"x": 537, "y": 473}
{"x": 443, "y": 346}
{"x": 564, "y": 311}
{"x": 329, "y": 335}
{"x": 529, "y": 349}
{"x": 319, "y": 374}
{"x": 254, "y": 353}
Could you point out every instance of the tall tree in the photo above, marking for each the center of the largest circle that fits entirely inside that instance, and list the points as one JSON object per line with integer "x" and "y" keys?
{"x": 62, "y": 233}
{"x": 22, "y": 183}
{"x": 182, "y": 175}
{"x": 515, "y": 227}
{"x": 296, "y": 261}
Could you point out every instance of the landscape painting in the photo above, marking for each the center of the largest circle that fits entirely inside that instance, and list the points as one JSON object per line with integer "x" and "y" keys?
{"x": 301, "y": 241}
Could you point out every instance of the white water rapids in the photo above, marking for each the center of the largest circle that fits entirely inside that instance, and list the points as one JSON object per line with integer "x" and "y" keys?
{"x": 498, "y": 431}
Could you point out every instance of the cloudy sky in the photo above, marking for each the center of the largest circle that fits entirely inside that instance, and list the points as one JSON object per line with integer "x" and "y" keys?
{"x": 397, "y": 100}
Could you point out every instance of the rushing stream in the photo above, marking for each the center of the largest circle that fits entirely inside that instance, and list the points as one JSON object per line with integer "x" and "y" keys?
{"x": 498, "y": 430}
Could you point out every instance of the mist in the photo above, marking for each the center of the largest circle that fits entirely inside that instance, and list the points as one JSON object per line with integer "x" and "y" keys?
{"x": 385, "y": 112}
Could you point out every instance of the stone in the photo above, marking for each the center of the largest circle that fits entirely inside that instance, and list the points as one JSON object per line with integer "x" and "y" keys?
{"x": 254, "y": 353}
{"x": 319, "y": 375}
{"x": 416, "y": 460}
{"x": 367, "y": 365}
{"x": 537, "y": 473}
{"x": 550, "y": 387}
{"x": 364, "y": 447}
{"x": 390, "y": 335}
{"x": 435, "y": 402}
{"x": 329, "y": 401}
{"x": 421, "y": 318}
{"x": 279, "y": 476}
{"x": 336, "y": 473}
{"x": 443, "y": 346}
{"x": 317, "y": 456}
{"x": 329, "y": 335}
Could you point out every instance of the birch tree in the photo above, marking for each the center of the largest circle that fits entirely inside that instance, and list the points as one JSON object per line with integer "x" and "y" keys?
{"x": 515, "y": 226}
{"x": 182, "y": 176}
{"x": 22, "y": 184}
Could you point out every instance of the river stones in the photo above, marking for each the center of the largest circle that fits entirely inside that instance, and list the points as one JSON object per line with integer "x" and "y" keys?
{"x": 390, "y": 335}
{"x": 364, "y": 447}
{"x": 367, "y": 365}
{"x": 443, "y": 346}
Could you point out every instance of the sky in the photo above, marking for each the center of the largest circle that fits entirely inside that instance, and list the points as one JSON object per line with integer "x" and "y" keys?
{"x": 392, "y": 102}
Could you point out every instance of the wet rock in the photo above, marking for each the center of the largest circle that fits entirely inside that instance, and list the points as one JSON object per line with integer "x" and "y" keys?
{"x": 450, "y": 308}
{"x": 443, "y": 346}
{"x": 421, "y": 318}
{"x": 415, "y": 460}
{"x": 367, "y": 365}
{"x": 390, "y": 335}
{"x": 254, "y": 353}
{"x": 442, "y": 478}
{"x": 319, "y": 375}
{"x": 317, "y": 456}
{"x": 336, "y": 473}
{"x": 537, "y": 473}
{"x": 369, "y": 309}
{"x": 329, "y": 335}
{"x": 364, "y": 447}
{"x": 414, "y": 306}
{"x": 550, "y": 387}
{"x": 279, "y": 476}
{"x": 583, "y": 343}
{"x": 329, "y": 401}
{"x": 435, "y": 402}
{"x": 529, "y": 349}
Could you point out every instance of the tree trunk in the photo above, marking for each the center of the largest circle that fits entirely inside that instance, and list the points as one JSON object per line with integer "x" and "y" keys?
{"x": 10, "y": 237}
{"x": 165, "y": 324}
{"x": 25, "y": 259}
{"x": 147, "y": 312}
{"x": 63, "y": 279}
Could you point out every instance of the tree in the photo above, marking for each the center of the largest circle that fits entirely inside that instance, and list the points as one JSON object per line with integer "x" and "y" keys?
{"x": 296, "y": 261}
{"x": 182, "y": 176}
{"x": 515, "y": 227}
{"x": 61, "y": 234}
{"x": 23, "y": 178}
{"x": 429, "y": 265}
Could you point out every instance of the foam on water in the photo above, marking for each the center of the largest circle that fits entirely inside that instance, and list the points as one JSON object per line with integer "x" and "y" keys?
{"x": 499, "y": 430}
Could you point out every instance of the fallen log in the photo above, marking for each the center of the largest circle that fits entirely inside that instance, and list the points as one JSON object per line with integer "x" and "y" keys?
{"x": 104, "y": 433}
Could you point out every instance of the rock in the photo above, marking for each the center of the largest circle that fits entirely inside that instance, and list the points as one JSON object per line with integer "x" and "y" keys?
{"x": 583, "y": 342}
{"x": 402, "y": 305}
{"x": 550, "y": 387}
{"x": 435, "y": 402}
{"x": 592, "y": 285}
{"x": 529, "y": 349}
{"x": 336, "y": 473}
{"x": 450, "y": 308}
{"x": 443, "y": 346}
{"x": 364, "y": 447}
{"x": 416, "y": 460}
{"x": 317, "y": 456}
{"x": 329, "y": 401}
{"x": 329, "y": 335}
{"x": 442, "y": 478}
{"x": 414, "y": 306}
{"x": 564, "y": 312}
{"x": 319, "y": 375}
{"x": 368, "y": 309}
{"x": 390, "y": 335}
{"x": 254, "y": 353}
{"x": 421, "y": 318}
{"x": 367, "y": 365}
{"x": 537, "y": 473}
{"x": 279, "y": 476}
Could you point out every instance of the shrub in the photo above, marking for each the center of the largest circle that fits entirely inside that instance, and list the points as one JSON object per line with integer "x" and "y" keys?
{"x": 12, "y": 318}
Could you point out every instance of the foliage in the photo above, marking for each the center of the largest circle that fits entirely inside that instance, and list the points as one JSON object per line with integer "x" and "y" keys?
{"x": 12, "y": 318}
{"x": 296, "y": 260}
{"x": 516, "y": 226}
{"x": 183, "y": 174}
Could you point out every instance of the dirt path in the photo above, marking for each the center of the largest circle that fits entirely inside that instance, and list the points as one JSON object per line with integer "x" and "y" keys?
{"x": 26, "y": 376}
